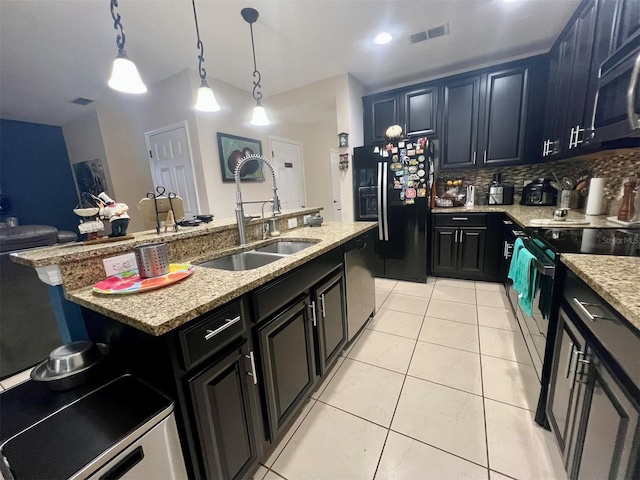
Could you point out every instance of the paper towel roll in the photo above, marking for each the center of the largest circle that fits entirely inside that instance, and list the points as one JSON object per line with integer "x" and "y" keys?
{"x": 595, "y": 201}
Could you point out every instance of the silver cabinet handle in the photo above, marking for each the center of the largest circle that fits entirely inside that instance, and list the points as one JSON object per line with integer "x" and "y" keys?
{"x": 484, "y": 158}
{"x": 460, "y": 218}
{"x": 461, "y": 236}
{"x": 228, "y": 322}
{"x": 634, "y": 119}
{"x": 322, "y": 303}
{"x": 252, "y": 373}
{"x": 456, "y": 239}
{"x": 507, "y": 222}
{"x": 591, "y": 316}
{"x": 505, "y": 250}
{"x": 569, "y": 357}
{"x": 474, "y": 157}
{"x": 313, "y": 313}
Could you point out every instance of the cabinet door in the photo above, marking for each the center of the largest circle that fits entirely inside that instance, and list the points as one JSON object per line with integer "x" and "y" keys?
{"x": 444, "y": 249}
{"x": 580, "y": 71}
{"x": 471, "y": 250}
{"x": 563, "y": 389}
{"x": 225, "y": 407}
{"x": 460, "y": 123}
{"x": 549, "y": 137}
{"x": 331, "y": 321}
{"x": 609, "y": 426}
{"x": 420, "y": 111}
{"x": 380, "y": 112}
{"x": 628, "y": 21}
{"x": 504, "y": 116}
{"x": 288, "y": 362}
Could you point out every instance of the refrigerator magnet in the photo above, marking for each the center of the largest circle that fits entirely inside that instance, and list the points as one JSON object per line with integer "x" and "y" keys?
{"x": 385, "y": 154}
{"x": 410, "y": 183}
{"x": 421, "y": 165}
{"x": 394, "y": 150}
{"x": 422, "y": 192}
{"x": 396, "y": 184}
{"x": 399, "y": 173}
{"x": 389, "y": 147}
{"x": 411, "y": 193}
{"x": 410, "y": 201}
{"x": 419, "y": 151}
{"x": 395, "y": 158}
{"x": 411, "y": 152}
{"x": 413, "y": 162}
{"x": 396, "y": 166}
{"x": 414, "y": 176}
{"x": 413, "y": 169}
{"x": 421, "y": 158}
{"x": 421, "y": 173}
{"x": 400, "y": 144}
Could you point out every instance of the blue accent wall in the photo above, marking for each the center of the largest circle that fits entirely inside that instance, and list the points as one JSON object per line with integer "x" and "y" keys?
{"x": 35, "y": 174}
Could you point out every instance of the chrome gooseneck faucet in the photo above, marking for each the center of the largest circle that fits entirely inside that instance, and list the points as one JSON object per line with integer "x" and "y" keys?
{"x": 275, "y": 202}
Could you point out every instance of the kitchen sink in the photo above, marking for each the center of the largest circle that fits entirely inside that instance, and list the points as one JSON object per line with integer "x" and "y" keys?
{"x": 285, "y": 248}
{"x": 243, "y": 261}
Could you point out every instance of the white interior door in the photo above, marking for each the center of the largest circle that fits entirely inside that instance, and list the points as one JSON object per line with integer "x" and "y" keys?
{"x": 335, "y": 186}
{"x": 172, "y": 166}
{"x": 288, "y": 163}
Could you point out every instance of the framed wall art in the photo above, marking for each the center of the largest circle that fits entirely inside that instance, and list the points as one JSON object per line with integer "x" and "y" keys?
{"x": 232, "y": 149}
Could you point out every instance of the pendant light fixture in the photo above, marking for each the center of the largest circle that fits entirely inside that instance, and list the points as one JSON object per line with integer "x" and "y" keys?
{"x": 124, "y": 74}
{"x": 206, "y": 101}
{"x": 250, "y": 16}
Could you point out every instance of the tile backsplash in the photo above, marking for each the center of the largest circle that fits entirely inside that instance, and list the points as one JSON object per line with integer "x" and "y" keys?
{"x": 614, "y": 165}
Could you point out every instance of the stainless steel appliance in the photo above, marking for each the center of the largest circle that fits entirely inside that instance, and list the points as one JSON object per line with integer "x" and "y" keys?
{"x": 123, "y": 429}
{"x": 361, "y": 300}
{"x": 617, "y": 108}
{"x": 393, "y": 188}
{"x": 540, "y": 192}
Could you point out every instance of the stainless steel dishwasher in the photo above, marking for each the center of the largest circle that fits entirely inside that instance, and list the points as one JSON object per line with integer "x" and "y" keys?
{"x": 361, "y": 296}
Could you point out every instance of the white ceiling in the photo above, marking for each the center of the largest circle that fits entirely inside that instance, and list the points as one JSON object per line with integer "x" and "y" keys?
{"x": 55, "y": 50}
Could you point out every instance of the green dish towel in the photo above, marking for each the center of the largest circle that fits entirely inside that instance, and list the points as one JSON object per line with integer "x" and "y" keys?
{"x": 524, "y": 275}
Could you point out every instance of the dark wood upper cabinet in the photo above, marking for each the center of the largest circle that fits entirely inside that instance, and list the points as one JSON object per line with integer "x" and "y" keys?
{"x": 504, "y": 116}
{"x": 380, "y": 112}
{"x": 460, "y": 122}
{"x": 628, "y": 21}
{"x": 420, "y": 111}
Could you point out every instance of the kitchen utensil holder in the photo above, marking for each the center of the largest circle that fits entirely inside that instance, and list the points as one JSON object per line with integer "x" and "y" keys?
{"x": 152, "y": 259}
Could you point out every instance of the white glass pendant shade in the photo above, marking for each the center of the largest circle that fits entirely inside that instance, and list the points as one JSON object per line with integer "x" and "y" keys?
{"x": 259, "y": 116}
{"x": 206, "y": 101}
{"x": 125, "y": 77}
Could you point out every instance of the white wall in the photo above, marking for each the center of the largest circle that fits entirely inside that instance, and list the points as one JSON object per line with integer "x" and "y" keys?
{"x": 83, "y": 139}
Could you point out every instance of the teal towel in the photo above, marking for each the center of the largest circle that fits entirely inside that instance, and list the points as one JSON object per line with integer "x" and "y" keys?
{"x": 524, "y": 275}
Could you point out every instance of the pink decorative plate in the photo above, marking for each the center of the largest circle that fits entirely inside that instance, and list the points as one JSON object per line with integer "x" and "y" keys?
{"x": 130, "y": 282}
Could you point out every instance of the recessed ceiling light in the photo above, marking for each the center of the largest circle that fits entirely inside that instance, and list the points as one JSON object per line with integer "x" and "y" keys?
{"x": 382, "y": 38}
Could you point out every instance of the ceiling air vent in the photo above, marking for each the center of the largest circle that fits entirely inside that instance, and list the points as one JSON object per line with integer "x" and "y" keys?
{"x": 418, "y": 37}
{"x": 429, "y": 34}
{"x": 81, "y": 101}
{"x": 438, "y": 31}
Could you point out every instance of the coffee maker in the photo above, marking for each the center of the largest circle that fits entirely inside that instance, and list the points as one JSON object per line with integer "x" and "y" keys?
{"x": 499, "y": 193}
{"x": 496, "y": 190}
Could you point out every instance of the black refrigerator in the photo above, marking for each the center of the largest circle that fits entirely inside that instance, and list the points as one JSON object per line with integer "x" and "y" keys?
{"x": 391, "y": 186}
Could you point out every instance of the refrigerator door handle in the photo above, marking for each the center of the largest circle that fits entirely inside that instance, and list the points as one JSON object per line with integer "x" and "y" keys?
{"x": 385, "y": 206}
{"x": 380, "y": 209}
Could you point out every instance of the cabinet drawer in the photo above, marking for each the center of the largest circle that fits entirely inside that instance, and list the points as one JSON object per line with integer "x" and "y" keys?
{"x": 460, "y": 219}
{"x": 211, "y": 333}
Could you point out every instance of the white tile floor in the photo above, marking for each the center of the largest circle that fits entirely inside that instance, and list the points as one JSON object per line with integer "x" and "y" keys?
{"x": 439, "y": 386}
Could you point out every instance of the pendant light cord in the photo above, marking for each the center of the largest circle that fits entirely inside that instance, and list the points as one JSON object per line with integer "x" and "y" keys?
{"x": 117, "y": 24}
{"x": 201, "y": 70}
{"x": 257, "y": 94}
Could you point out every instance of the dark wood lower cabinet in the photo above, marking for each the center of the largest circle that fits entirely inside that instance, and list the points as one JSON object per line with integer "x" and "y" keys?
{"x": 287, "y": 357}
{"x": 595, "y": 421}
{"x": 471, "y": 250}
{"x": 331, "y": 316}
{"x": 225, "y": 402}
{"x": 459, "y": 252}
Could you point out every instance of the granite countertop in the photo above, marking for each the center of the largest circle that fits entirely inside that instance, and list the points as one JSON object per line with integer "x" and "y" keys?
{"x": 523, "y": 215}
{"x": 616, "y": 279}
{"x": 159, "y": 311}
{"x": 73, "y": 252}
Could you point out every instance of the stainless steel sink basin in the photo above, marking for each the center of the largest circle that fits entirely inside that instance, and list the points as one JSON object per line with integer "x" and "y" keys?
{"x": 285, "y": 248}
{"x": 242, "y": 261}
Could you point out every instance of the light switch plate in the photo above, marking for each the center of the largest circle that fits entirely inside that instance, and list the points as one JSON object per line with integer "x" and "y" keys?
{"x": 119, "y": 264}
{"x": 292, "y": 222}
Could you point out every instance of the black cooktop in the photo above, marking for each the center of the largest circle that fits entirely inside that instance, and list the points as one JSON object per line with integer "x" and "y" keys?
{"x": 621, "y": 241}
